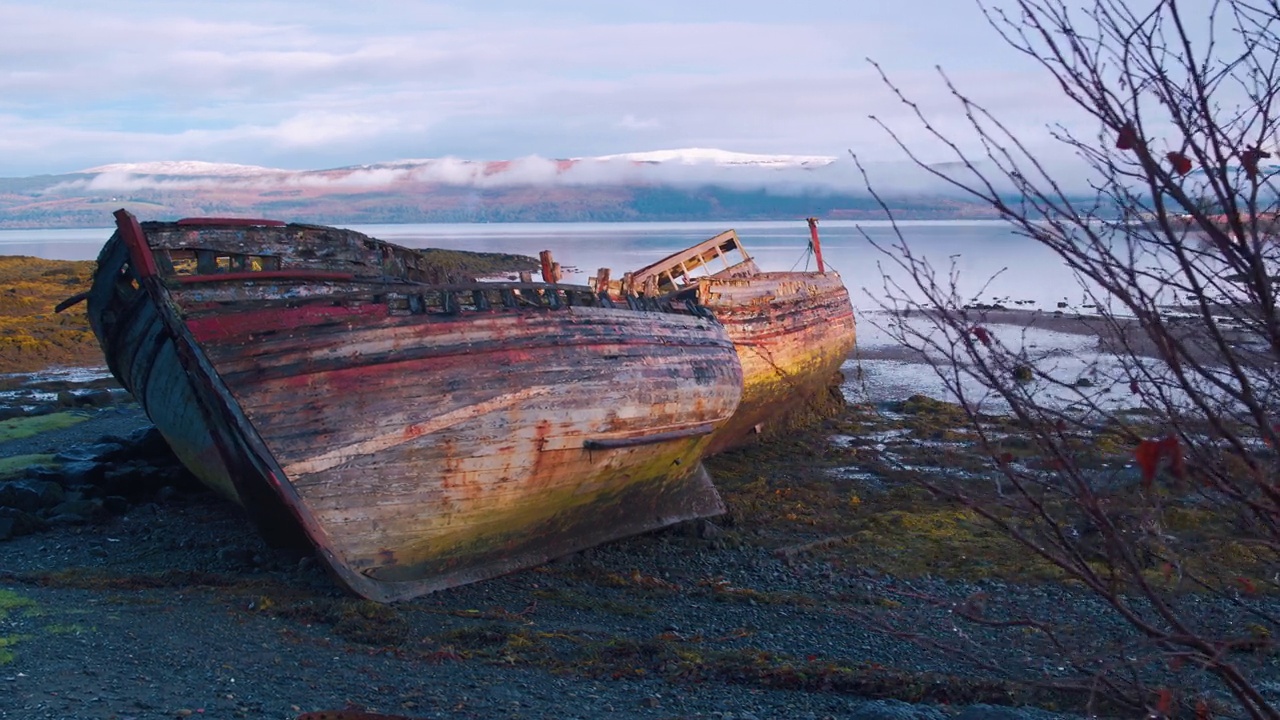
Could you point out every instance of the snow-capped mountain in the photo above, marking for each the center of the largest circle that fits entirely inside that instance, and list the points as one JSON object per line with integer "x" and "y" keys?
{"x": 681, "y": 184}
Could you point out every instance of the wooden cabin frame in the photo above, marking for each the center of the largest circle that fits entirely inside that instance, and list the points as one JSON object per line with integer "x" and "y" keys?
{"x": 679, "y": 271}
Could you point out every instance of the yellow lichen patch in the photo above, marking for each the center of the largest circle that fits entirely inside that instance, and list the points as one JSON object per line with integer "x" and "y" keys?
{"x": 17, "y": 428}
{"x": 32, "y": 335}
{"x": 951, "y": 542}
{"x": 16, "y": 465}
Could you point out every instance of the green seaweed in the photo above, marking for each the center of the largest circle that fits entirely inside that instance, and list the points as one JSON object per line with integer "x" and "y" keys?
{"x": 11, "y": 601}
{"x": 23, "y": 427}
{"x": 6, "y": 655}
{"x": 12, "y": 466}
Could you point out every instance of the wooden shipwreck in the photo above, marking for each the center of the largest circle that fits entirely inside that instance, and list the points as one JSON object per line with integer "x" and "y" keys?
{"x": 419, "y": 433}
{"x": 792, "y": 330}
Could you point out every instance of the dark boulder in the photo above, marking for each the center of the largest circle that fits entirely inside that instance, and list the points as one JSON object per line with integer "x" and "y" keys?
{"x": 42, "y": 473}
{"x": 125, "y": 480}
{"x": 148, "y": 442}
{"x": 82, "y": 508}
{"x": 81, "y": 472}
{"x": 14, "y": 523}
{"x": 30, "y": 495}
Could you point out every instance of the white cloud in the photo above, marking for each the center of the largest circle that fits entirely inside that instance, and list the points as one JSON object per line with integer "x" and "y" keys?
{"x": 346, "y": 83}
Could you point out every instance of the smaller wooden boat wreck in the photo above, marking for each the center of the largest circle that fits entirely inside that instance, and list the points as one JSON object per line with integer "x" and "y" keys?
{"x": 418, "y": 433}
{"x": 792, "y": 330}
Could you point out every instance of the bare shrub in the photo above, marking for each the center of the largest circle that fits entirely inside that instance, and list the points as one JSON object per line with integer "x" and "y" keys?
{"x": 1174, "y": 242}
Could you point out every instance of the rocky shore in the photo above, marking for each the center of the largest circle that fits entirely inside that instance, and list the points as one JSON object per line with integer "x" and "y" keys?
{"x": 129, "y": 591}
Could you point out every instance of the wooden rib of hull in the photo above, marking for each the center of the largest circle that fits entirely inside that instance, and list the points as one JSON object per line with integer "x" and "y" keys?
{"x": 418, "y": 451}
{"x": 792, "y": 332}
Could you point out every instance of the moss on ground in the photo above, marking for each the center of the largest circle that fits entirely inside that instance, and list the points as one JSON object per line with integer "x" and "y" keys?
{"x": 11, "y": 602}
{"x": 12, "y": 467}
{"x": 6, "y": 644}
{"x": 23, "y": 427}
{"x": 790, "y": 497}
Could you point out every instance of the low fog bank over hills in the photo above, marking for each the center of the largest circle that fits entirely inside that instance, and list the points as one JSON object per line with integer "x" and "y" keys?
{"x": 674, "y": 185}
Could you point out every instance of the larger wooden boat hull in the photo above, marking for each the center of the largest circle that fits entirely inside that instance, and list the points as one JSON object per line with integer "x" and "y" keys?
{"x": 416, "y": 447}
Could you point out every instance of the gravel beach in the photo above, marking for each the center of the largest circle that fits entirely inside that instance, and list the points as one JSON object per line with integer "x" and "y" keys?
{"x": 162, "y": 602}
{"x": 175, "y": 608}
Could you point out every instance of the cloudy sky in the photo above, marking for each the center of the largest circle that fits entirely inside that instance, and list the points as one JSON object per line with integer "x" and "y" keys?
{"x": 319, "y": 84}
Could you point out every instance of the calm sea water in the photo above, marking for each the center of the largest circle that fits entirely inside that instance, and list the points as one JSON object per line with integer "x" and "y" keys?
{"x": 992, "y": 263}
